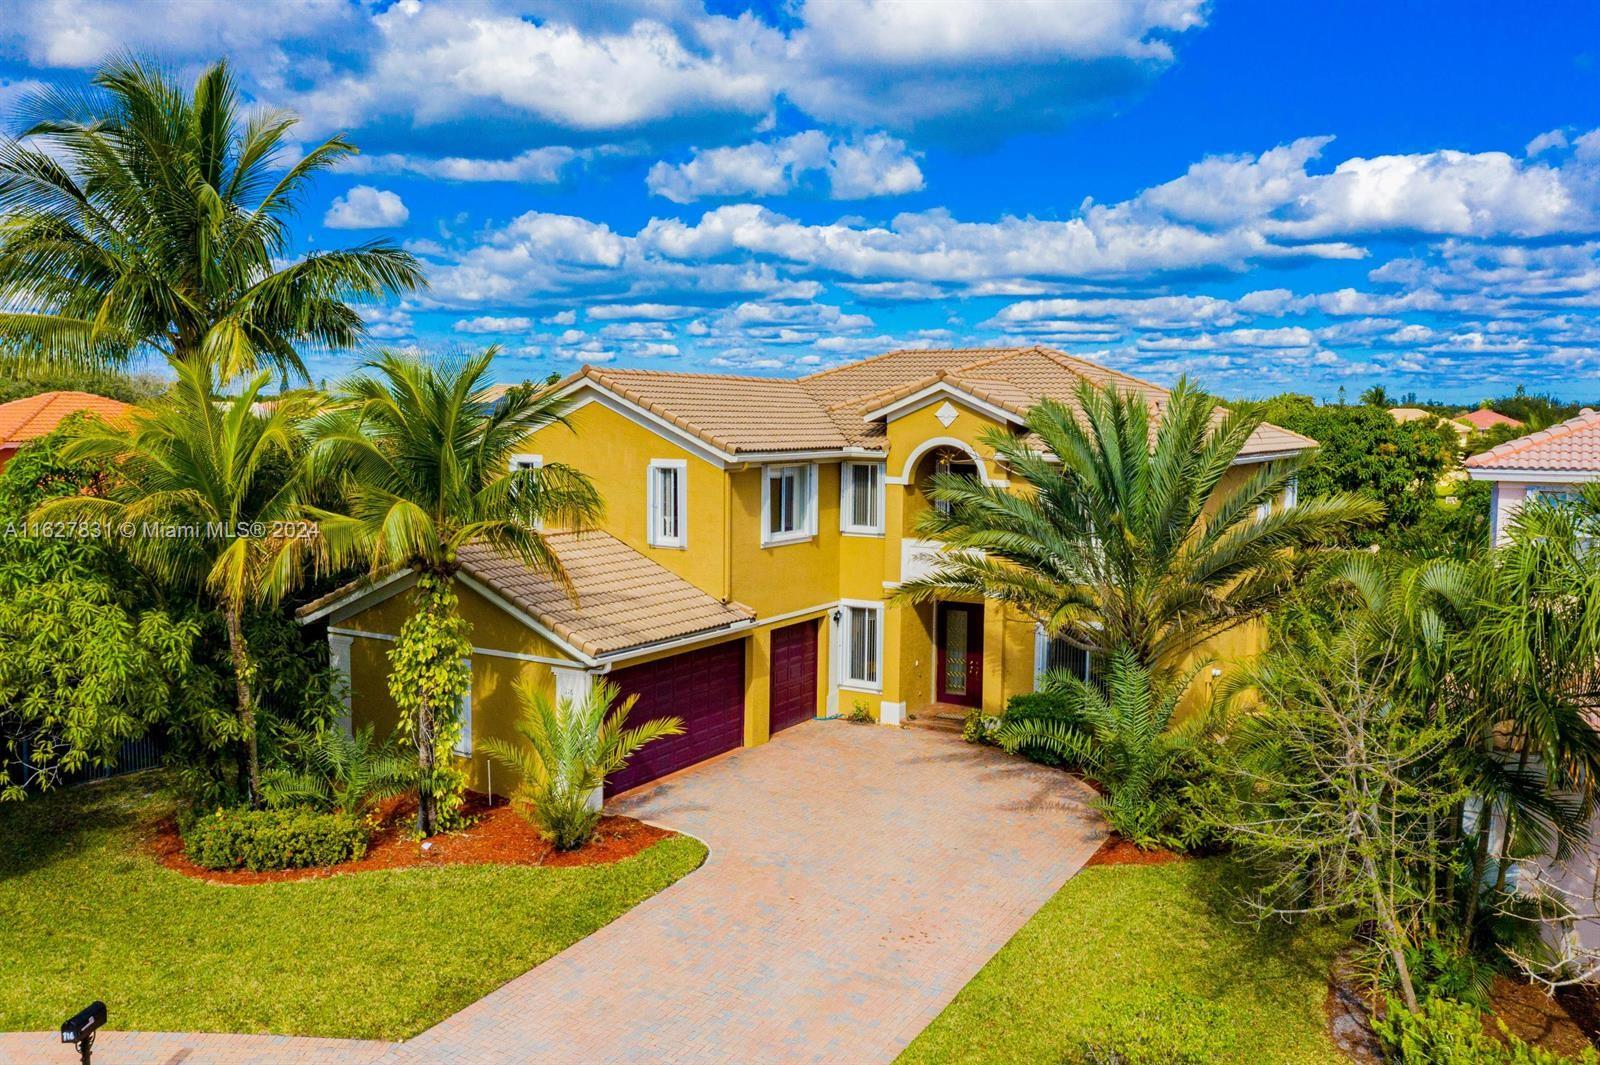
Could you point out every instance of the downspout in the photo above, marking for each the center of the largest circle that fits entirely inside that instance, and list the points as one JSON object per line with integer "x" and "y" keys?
{"x": 727, "y": 535}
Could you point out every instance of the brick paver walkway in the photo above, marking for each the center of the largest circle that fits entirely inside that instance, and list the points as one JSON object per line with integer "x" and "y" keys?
{"x": 858, "y": 878}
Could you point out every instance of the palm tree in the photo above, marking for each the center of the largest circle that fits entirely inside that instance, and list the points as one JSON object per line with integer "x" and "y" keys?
{"x": 136, "y": 217}
{"x": 422, "y": 454}
{"x": 345, "y": 773}
{"x": 570, "y": 749}
{"x": 204, "y": 497}
{"x": 1127, "y": 737}
{"x": 1124, "y": 538}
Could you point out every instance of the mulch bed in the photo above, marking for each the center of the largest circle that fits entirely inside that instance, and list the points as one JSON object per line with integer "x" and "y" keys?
{"x": 1536, "y": 1017}
{"x": 496, "y": 836}
{"x": 1582, "y": 1003}
{"x": 1118, "y": 851}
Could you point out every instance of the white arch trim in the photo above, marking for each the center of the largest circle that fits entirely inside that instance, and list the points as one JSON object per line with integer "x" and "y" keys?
{"x": 944, "y": 441}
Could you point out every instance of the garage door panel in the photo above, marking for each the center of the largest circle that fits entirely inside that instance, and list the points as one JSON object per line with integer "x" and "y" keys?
{"x": 793, "y": 688}
{"x": 705, "y": 689}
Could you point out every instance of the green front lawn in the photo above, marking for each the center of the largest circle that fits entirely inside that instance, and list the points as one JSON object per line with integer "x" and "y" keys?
{"x": 85, "y": 914}
{"x": 1127, "y": 947}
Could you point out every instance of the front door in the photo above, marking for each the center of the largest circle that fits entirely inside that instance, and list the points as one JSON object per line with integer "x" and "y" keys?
{"x": 960, "y": 640}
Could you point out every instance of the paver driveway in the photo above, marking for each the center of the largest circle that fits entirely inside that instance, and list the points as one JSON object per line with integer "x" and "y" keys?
{"x": 858, "y": 877}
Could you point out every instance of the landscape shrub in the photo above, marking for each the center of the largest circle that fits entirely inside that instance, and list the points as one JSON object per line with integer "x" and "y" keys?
{"x": 1043, "y": 706}
{"x": 1443, "y": 1032}
{"x": 289, "y": 838}
{"x": 979, "y": 727}
{"x": 1168, "y": 1028}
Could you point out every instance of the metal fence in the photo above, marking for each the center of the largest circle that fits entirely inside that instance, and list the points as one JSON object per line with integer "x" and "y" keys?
{"x": 134, "y": 755}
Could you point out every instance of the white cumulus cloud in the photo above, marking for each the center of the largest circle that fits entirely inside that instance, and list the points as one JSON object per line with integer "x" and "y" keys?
{"x": 860, "y": 168}
{"x": 365, "y": 207}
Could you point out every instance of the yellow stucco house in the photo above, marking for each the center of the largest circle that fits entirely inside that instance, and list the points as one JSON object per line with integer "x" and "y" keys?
{"x": 754, "y": 529}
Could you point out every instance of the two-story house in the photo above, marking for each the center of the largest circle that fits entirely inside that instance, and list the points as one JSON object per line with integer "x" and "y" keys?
{"x": 755, "y": 530}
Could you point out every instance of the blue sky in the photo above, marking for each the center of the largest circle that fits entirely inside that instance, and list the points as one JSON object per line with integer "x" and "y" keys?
{"x": 1265, "y": 196}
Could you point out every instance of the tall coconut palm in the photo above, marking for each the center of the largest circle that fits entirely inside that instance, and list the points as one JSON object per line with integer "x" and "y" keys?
{"x": 1124, "y": 537}
{"x": 204, "y": 497}
{"x": 137, "y": 217}
{"x": 422, "y": 454}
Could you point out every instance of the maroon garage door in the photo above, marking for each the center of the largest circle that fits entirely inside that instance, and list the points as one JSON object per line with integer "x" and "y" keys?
{"x": 705, "y": 689}
{"x": 794, "y": 674}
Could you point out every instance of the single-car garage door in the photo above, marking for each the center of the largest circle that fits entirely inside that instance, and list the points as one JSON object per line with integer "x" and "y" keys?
{"x": 705, "y": 688}
{"x": 794, "y": 674}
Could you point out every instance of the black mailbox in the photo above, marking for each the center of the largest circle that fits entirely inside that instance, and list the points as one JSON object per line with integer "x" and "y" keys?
{"x": 80, "y": 1028}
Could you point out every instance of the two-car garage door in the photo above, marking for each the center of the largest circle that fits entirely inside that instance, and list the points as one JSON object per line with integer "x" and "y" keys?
{"x": 705, "y": 688}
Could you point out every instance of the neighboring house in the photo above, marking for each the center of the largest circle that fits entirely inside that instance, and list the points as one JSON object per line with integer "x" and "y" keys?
{"x": 1551, "y": 462}
{"x": 23, "y": 420}
{"x": 1484, "y": 419}
{"x": 754, "y": 529}
{"x": 1417, "y": 414}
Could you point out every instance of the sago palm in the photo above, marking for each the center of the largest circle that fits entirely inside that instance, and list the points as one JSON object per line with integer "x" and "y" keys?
{"x": 348, "y": 773}
{"x": 569, "y": 749}
{"x": 1116, "y": 533}
{"x": 204, "y": 496}
{"x": 137, "y": 216}
{"x": 1126, "y": 736}
{"x": 422, "y": 454}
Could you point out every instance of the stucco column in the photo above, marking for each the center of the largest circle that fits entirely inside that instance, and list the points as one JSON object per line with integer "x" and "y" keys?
{"x": 573, "y": 686}
{"x": 339, "y": 647}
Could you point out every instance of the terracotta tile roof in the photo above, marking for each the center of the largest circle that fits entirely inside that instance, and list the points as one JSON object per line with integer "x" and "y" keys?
{"x": 1574, "y": 445}
{"x": 35, "y": 416}
{"x": 827, "y": 410}
{"x": 619, "y": 599}
{"x": 622, "y": 599}
{"x": 1487, "y": 419}
{"x": 735, "y": 414}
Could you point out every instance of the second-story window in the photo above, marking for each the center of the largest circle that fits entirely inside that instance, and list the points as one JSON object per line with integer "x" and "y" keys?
{"x": 668, "y": 502}
{"x": 788, "y": 503}
{"x": 522, "y": 462}
{"x": 861, "y": 501}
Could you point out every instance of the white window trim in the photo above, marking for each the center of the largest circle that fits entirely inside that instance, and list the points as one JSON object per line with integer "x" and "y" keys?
{"x": 653, "y": 504}
{"x": 526, "y": 460}
{"x": 842, "y": 648}
{"x": 1291, "y": 492}
{"x": 463, "y": 745}
{"x": 846, "y": 502}
{"x": 808, "y": 529}
{"x": 1041, "y": 656}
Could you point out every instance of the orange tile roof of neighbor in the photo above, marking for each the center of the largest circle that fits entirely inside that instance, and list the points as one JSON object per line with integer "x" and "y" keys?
{"x": 27, "y": 419}
{"x": 1574, "y": 445}
{"x": 1485, "y": 418}
{"x": 828, "y": 411}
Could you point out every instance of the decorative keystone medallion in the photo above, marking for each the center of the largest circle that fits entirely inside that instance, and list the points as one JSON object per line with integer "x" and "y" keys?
{"x": 946, "y": 414}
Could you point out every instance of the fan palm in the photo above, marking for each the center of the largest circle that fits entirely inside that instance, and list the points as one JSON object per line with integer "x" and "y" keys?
{"x": 204, "y": 497}
{"x": 1120, "y": 537}
{"x": 423, "y": 457}
{"x": 348, "y": 773}
{"x": 569, "y": 749}
{"x": 1125, "y": 736}
{"x": 138, "y": 217}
